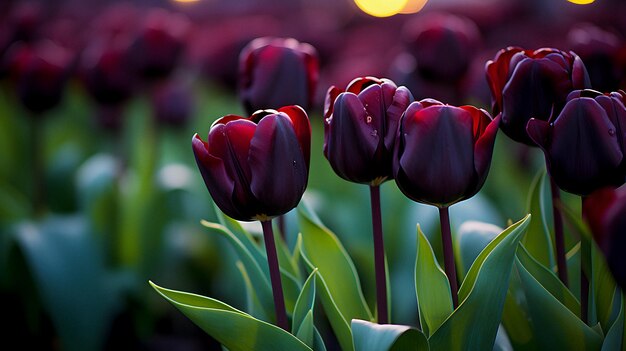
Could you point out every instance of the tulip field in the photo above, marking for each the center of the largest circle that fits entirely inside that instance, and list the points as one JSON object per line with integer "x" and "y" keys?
{"x": 355, "y": 175}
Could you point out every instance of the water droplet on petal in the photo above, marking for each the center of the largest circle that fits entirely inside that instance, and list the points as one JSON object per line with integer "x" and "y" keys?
{"x": 374, "y": 133}
{"x": 368, "y": 119}
{"x": 611, "y": 132}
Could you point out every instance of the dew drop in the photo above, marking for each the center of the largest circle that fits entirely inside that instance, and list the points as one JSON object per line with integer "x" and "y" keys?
{"x": 611, "y": 132}
{"x": 368, "y": 119}
{"x": 374, "y": 133}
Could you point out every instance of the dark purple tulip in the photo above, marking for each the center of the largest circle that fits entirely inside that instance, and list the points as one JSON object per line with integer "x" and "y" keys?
{"x": 443, "y": 153}
{"x": 532, "y": 84}
{"x": 599, "y": 50}
{"x": 277, "y": 72}
{"x": 173, "y": 103}
{"x": 256, "y": 168}
{"x": 605, "y": 212}
{"x": 360, "y": 126}
{"x": 443, "y": 46}
{"x": 40, "y": 72}
{"x": 584, "y": 144}
{"x": 106, "y": 73}
{"x": 160, "y": 44}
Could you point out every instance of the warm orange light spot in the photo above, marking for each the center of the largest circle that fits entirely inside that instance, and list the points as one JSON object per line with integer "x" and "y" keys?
{"x": 381, "y": 8}
{"x": 186, "y": 1}
{"x": 413, "y": 6}
{"x": 581, "y": 2}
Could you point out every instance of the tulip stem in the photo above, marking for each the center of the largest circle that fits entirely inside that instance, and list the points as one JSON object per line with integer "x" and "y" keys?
{"x": 585, "y": 251}
{"x": 379, "y": 256}
{"x": 559, "y": 241}
{"x": 448, "y": 253}
{"x": 277, "y": 288}
{"x": 37, "y": 159}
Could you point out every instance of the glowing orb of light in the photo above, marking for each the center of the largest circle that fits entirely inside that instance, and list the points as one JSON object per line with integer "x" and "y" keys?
{"x": 413, "y": 6}
{"x": 581, "y": 2}
{"x": 381, "y": 8}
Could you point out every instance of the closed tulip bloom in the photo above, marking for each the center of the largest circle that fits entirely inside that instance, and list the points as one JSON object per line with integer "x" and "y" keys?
{"x": 360, "y": 128}
{"x": 605, "y": 212}
{"x": 256, "y": 168}
{"x": 584, "y": 144}
{"x": 277, "y": 72}
{"x": 443, "y": 153}
{"x": 527, "y": 83}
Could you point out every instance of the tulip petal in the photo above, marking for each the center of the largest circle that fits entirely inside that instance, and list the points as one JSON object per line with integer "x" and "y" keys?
{"x": 216, "y": 179}
{"x": 329, "y": 101}
{"x": 539, "y": 131}
{"x": 302, "y": 127}
{"x": 402, "y": 98}
{"x": 279, "y": 170}
{"x": 617, "y": 115}
{"x": 580, "y": 77}
{"x": 483, "y": 148}
{"x": 438, "y": 157}
{"x": 374, "y": 103}
{"x": 350, "y": 140}
{"x": 359, "y": 84}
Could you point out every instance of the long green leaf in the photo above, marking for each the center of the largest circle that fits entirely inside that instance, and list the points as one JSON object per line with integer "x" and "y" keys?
{"x": 470, "y": 240}
{"x": 302, "y": 321}
{"x": 484, "y": 291}
{"x": 538, "y": 240}
{"x": 387, "y": 337}
{"x": 554, "y": 325}
{"x": 614, "y": 339}
{"x": 234, "y": 329}
{"x": 431, "y": 287}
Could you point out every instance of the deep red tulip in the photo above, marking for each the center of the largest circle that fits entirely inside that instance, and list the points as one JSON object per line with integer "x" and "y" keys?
{"x": 443, "y": 153}
{"x": 584, "y": 144}
{"x": 256, "y": 168}
{"x": 40, "y": 72}
{"x": 360, "y": 126}
{"x": 160, "y": 44}
{"x": 532, "y": 84}
{"x": 605, "y": 212}
{"x": 277, "y": 72}
{"x": 173, "y": 103}
{"x": 106, "y": 73}
{"x": 443, "y": 46}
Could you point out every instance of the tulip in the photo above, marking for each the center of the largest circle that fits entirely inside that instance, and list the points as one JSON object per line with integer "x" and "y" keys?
{"x": 360, "y": 126}
{"x": 605, "y": 212}
{"x": 526, "y": 83}
{"x": 257, "y": 168}
{"x": 442, "y": 156}
{"x": 584, "y": 144}
{"x": 173, "y": 104}
{"x": 276, "y": 72}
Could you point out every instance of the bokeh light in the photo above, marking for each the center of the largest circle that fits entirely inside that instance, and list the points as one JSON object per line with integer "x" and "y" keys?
{"x": 382, "y": 8}
{"x": 582, "y": 2}
{"x": 413, "y": 6}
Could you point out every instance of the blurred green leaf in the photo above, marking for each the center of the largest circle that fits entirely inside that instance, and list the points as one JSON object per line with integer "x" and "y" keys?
{"x": 515, "y": 315}
{"x": 370, "y": 336}
{"x": 339, "y": 285}
{"x": 554, "y": 325}
{"x": 471, "y": 238}
{"x": 482, "y": 296}
{"x": 78, "y": 293}
{"x": 253, "y": 305}
{"x": 538, "y": 240}
{"x": 548, "y": 280}
{"x": 431, "y": 287}
{"x": 234, "y": 329}
{"x": 616, "y": 336}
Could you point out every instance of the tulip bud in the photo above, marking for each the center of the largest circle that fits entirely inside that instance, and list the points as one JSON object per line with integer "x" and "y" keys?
{"x": 277, "y": 72}
{"x": 526, "y": 83}
{"x": 40, "y": 72}
{"x": 605, "y": 212}
{"x": 443, "y": 46}
{"x": 584, "y": 144}
{"x": 443, "y": 153}
{"x": 173, "y": 103}
{"x": 256, "y": 168}
{"x": 160, "y": 44}
{"x": 360, "y": 128}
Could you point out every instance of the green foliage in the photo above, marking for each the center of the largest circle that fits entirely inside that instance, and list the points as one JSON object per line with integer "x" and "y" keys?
{"x": 386, "y": 337}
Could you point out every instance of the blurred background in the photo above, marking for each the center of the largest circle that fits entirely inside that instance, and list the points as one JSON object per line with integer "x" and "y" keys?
{"x": 99, "y": 190}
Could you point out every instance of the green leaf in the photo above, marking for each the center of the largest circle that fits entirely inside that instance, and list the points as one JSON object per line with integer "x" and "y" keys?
{"x": 338, "y": 282}
{"x": 253, "y": 305}
{"x": 305, "y": 301}
{"x": 471, "y": 238}
{"x": 481, "y": 296}
{"x": 234, "y": 329}
{"x": 554, "y": 325}
{"x": 515, "y": 317}
{"x": 548, "y": 280}
{"x": 538, "y": 240}
{"x": 386, "y": 337}
{"x": 431, "y": 287}
{"x": 68, "y": 268}
{"x": 244, "y": 237}
{"x": 615, "y": 336}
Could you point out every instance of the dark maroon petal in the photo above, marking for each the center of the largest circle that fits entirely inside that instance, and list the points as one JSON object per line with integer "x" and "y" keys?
{"x": 401, "y": 100}
{"x": 616, "y": 112}
{"x": 226, "y": 119}
{"x": 497, "y": 72}
{"x": 357, "y": 85}
{"x": 438, "y": 153}
{"x": 302, "y": 127}
{"x": 584, "y": 151}
{"x": 351, "y": 140}
{"x": 595, "y": 208}
{"x": 329, "y": 101}
{"x": 485, "y": 131}
{"x": 580, "y": 77}
{"x": 279, "y": 168}
{"x": 216, "y": 179}
{"x": 539, "y": 131}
